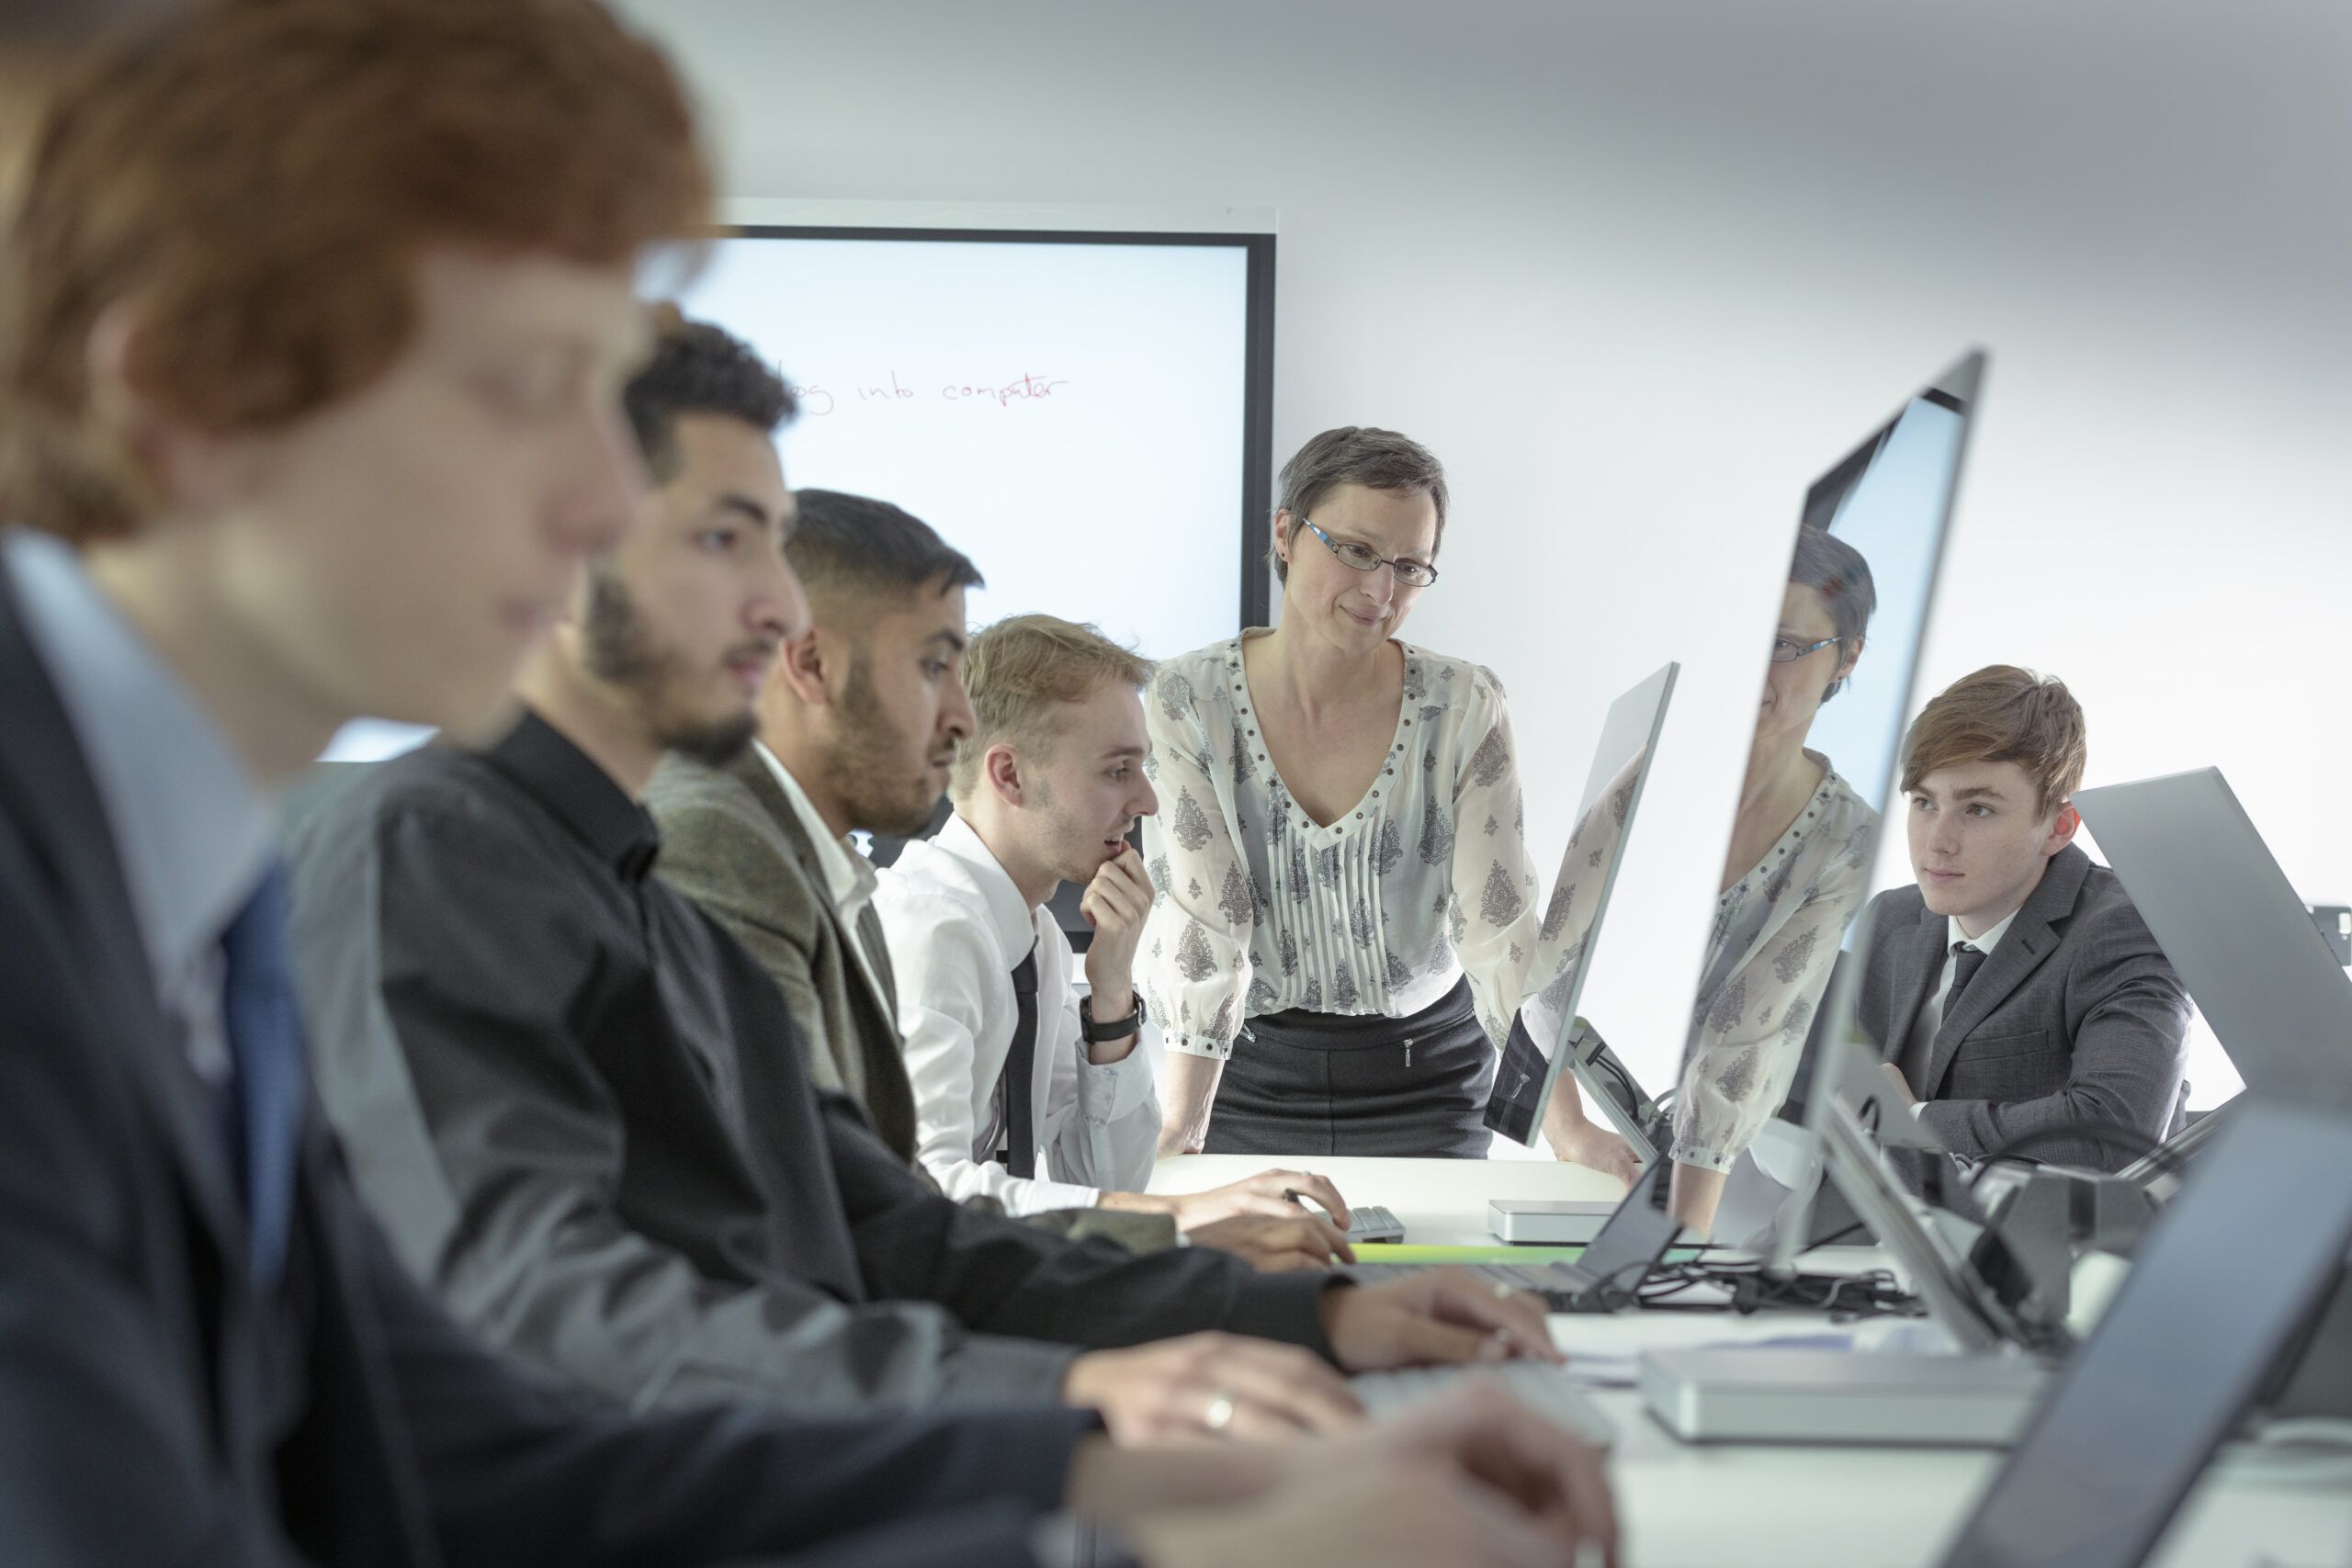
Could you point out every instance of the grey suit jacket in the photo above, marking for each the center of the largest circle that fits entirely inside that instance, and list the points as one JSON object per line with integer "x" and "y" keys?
{"x": 732, "y": 841}
{"x": 2076, "y": 1017}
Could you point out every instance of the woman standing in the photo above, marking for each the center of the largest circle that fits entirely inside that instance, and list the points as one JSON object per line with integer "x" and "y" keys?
{"x": 1793, "y": 880}
{"x": 1345, "y": 905}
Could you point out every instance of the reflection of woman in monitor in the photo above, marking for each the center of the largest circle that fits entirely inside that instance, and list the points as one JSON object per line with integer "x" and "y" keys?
{"x": 1793, "y": 880}
{"x": 1345, "y": 900}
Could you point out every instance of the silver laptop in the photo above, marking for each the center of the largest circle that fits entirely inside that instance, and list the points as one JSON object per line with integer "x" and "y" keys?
{"x": 2231, "y": 1276}
{"x": 2234, "y": 928}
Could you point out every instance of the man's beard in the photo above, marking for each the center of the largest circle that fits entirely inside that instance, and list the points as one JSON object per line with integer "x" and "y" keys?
{"x": 620, "y": 650}
{"x": 871, "y": 768}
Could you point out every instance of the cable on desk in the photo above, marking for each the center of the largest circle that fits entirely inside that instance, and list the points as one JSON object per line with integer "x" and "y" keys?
{"x": 1843, "y": 1296}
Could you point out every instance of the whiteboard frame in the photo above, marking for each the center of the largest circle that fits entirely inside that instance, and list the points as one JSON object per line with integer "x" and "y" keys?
{"x": 1258, "y": 353}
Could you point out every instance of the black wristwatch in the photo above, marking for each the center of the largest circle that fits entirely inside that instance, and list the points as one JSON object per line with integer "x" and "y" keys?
{"x": 1117, "y": 1029}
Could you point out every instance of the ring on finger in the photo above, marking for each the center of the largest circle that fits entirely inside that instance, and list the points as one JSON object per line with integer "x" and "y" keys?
{"x": 1219, "y": 1414}
{"x": 1504, "y": 1292}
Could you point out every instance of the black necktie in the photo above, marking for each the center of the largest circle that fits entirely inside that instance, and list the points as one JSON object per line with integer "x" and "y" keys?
{"x": 1966, "y": 962}
{"x": 1020, "y": 1064}
{"x": 263, "y": 1105}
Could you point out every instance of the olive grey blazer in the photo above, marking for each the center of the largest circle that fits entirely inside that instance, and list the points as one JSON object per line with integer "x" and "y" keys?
{"x": 732, "y": 841}
{"x": 2076, "y": 1017}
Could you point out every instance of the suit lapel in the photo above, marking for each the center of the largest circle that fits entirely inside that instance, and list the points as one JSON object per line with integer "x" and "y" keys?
{"x": 889, "y": 1094}
{"x": 755, "y": 775}
{"x": 46, "y": 785}
{"x": 2030, "y": 940}
{"x": 1919, "y": 958}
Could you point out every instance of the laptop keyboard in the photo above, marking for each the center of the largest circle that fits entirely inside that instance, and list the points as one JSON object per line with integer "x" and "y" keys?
{"x": 1370, "y": 1222}
{"x": 1543, "y": 1389}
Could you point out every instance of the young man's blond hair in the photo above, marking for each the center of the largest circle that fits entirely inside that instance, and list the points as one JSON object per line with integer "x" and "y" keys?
{"x": 1021, "y": 673}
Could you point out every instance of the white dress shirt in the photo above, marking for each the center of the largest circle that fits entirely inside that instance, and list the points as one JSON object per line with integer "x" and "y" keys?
{"x": 1257, "y": 909}
{"x": 1920, "y": 1045}
{"x": 191, "y": 829}
{"x": 958, "y": 927}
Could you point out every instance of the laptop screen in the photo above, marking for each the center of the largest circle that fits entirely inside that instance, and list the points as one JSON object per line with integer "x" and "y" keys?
{"x": 2234, "y": 927}
{"x": 1639, "y": 1231}
{"x": 2221, "y": 1288}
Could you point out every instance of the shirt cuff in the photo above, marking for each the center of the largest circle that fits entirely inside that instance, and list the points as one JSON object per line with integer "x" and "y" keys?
{"x": 1704, "y": 1160}
{"x": 1200, "y": 1046}
{"x": 1108, "y": 1091}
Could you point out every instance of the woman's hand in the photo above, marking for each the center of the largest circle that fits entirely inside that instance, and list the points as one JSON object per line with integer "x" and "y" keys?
{"x": 1577, "y": 1138}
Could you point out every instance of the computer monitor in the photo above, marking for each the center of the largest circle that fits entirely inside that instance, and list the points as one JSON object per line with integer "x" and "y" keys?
{"x": 2233, "y": 928}
{"x": 1540, "y": 1035}
{"x": 1874, "y": 528}
{"x": 2221, "y": 1291}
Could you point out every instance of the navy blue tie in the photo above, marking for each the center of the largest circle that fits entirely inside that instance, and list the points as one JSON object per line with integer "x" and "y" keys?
{"x": 263, "y": 1104}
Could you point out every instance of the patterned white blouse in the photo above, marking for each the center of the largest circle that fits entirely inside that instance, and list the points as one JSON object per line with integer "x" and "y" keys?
{"x": 1257, "y": 910}
{"x": 1775, "y": 934}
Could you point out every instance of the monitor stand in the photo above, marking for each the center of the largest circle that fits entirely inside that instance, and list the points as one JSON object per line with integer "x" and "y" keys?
{"x": 1637, "y": 1119}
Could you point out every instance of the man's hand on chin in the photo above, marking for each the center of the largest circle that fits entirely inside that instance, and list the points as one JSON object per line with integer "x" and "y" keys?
{"x": 1439, "y": 1317}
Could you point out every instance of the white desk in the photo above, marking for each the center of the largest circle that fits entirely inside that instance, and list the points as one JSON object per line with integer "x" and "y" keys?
{"x": 1755, "y": 1505}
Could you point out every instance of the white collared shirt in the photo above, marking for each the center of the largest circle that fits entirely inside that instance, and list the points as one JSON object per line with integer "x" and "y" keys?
{"x": 849, "y": 875}
{"x": 1921, "y": 1042}
{"x": 192, "y": 829}
{"x": 958, "y": 927}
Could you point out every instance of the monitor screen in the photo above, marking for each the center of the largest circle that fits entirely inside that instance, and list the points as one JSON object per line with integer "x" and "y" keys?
{"x": 1526, "y": 1078}
{"x": 1821, "y": 768}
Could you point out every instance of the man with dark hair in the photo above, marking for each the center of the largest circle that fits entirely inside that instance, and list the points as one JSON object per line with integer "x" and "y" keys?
{"x": 746, "y": 840}
{"x": 2019, "y": 1000}
{"x": 586, "y": 1115}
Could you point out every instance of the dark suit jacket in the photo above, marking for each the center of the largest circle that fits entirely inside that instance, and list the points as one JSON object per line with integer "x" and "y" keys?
{"x": 732, "y": 841}
{"x": 2076, "y": 1017}
{"x": 156, "y": 1408}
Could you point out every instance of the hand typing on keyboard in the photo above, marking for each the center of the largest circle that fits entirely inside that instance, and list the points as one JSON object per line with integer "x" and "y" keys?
{"x": 1471, "y": 1477}
{"x": 1442, "y": 1317}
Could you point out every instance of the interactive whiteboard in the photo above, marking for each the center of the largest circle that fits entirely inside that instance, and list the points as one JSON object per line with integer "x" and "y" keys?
{"x": 1075, "y": 412}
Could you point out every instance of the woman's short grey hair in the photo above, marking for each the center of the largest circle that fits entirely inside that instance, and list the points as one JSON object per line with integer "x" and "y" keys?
{"x": 1357, "y": 455}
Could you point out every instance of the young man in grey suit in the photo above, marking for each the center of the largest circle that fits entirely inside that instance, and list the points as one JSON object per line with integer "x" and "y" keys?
{"x": 858, "y": 722}
{"x": 300, "y": 435}
{"x": 2018, "y": 999}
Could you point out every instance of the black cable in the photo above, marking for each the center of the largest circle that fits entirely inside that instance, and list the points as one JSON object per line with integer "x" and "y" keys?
{"x": 2114, "y": 1135}
{"x": 1834, "y": 1237}
{"x": 1845, "y": 1296}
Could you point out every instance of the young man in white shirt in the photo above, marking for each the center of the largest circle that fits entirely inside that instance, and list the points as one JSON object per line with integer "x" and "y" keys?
{"x": 1023, "y": 1090}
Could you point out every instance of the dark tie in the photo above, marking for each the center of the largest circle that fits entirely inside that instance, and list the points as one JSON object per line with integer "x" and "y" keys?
{"x": 1966, "y": 962}
{"x": 1019, "y": 1065}
{"x": 263, "y": 1106}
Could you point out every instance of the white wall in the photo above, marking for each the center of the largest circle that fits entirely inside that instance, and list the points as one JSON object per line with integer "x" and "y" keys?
{"x": 1637, "y": 273}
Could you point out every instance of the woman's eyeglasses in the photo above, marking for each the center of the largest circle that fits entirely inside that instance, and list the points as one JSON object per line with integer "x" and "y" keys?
{"x": 1411, "y": 573}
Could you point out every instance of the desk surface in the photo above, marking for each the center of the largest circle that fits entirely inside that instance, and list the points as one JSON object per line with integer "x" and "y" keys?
{"x": 1757, "y": 1506}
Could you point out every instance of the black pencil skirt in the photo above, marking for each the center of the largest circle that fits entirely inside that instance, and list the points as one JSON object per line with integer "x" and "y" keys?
{"x": 1318, "y": 1083}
